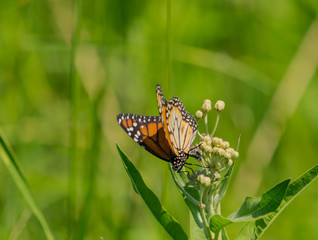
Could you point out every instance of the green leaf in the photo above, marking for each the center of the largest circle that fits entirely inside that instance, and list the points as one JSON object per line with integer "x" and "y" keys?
{"x": 247, "y": 232}
{"x": 8, "y": 157}
{"x": 190, "y": 195}
{"x": 196, "y": 233}
{"x": 218, "y": 222}
{"x": 253, "y": 208}
{"x": 293, "y": 190}
{"x": 223, "y": 187}
{"x": 193, "y": 207}
{"x": 224, "y": 234}
{"x": 164, "y": 218}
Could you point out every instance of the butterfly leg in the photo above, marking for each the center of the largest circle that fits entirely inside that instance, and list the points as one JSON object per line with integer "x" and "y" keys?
{"x": 188, "y": 168}
{"x": 193, "y": 164}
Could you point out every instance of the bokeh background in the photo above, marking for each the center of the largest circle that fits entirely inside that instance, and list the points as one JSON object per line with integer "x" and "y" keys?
{"x": 67, "y": 68}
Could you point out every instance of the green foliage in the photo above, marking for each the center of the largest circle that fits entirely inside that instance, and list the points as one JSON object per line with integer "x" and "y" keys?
{"x": 223, "y": 186}
{"x": 259, "y": 212}
{"x": 10, "y": 161}
{"x": 253, "y": 208}
{"x": 172, "y": 227}
{"x": 238, "y": 51}
{"x": 254, "y": 230}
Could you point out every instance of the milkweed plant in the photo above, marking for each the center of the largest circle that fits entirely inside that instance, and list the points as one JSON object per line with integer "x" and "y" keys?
{"x": 204, "y": 188}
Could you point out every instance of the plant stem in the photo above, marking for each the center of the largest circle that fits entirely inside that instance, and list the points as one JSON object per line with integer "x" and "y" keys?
{"x": 173, "y": 174}
{"x": 206, "y": 123}
{"x": 207, "y": 231}
{"x": 208, "y": 199}
{"x": 169, "y": 42}
{"x": 216, "y": 124}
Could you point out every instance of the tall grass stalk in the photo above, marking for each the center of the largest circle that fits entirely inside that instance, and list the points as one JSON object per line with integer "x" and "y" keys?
{"x": 92, "y": 164}
{"x": 75, "y": 96}
{"x": 168, "y": 64}
{"x": 10, "y": 161}
{"x": 169, "y": 43}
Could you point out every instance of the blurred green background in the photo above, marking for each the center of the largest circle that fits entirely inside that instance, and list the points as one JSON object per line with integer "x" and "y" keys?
{"x": 68, "y": 68}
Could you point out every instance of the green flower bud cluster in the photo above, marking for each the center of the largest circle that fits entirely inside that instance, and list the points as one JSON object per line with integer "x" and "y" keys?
{"x": 217, "y": 153}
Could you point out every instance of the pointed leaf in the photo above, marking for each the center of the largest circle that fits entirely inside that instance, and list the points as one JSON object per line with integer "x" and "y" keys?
{"x": 223, "y": 186}
{"x": 293, "y": 190}
{"x": 190, "y": 196}
{"x": 253, "y": 208}
{"x": 196, "y": 233}
{"x": 247, "y": 232}
{"x": 173, "y": 228}
{"x": 193, "y": 207}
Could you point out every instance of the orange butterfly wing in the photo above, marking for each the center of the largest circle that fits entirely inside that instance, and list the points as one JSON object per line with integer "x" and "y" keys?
{"x": 148, "y": 132}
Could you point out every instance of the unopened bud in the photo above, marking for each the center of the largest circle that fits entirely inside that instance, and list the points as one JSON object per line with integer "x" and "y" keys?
{"x": 216, "y": 141}
{"x": 221, "y": 152}
{"x": 230, "y": 162}
{"x": 235, "y": 154}
{"x": 207, "y": 101}
{"x": 227, "y": 155}
{"x": 224, "y": 144}
{"x": 204, "y": 180}
{"x": 218, "y": 151}
{"x": 219, "y": 106}
{"x": 199, "y": 114}
{"x": 206, "y": 107}
{"x": 203, "y": 145}
{"x": 208, "y": 149}
{"x": 230, "y": 150}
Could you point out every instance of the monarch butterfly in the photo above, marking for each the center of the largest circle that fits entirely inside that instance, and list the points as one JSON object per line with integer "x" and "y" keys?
{"x": 179, "y": 126}
{"x": 168, "y": 136}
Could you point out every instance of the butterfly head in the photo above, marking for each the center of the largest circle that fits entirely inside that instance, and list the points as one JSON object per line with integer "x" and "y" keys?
{"x": 179, "y": 161}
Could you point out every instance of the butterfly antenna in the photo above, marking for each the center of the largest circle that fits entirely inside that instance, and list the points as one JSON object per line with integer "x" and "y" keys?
{"x": 194, "y": 147}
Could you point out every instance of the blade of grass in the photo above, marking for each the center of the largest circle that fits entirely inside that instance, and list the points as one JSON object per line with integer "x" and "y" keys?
{"x": 74, "y": 95}
{"x": 92, "y": 169}
{"x": 10, "y": 161}
{"x": 169, "y": 43}
{"x": 168, "y": 63}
